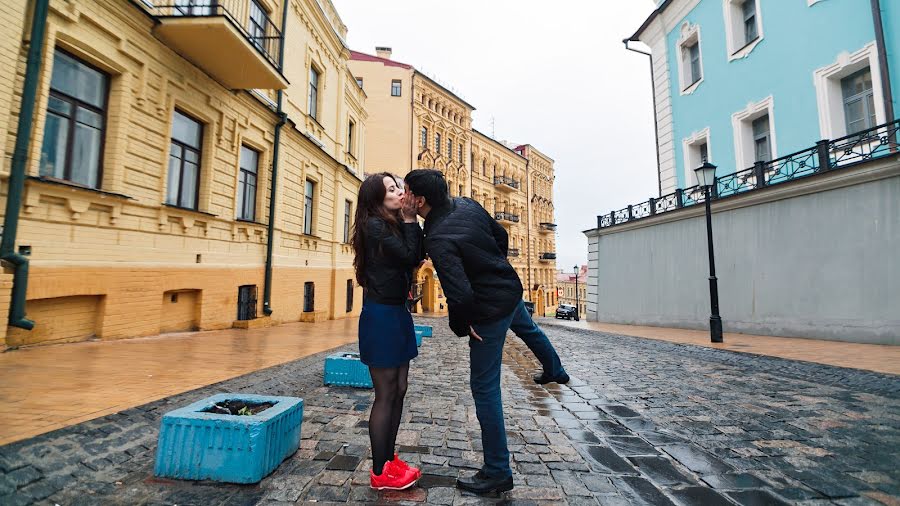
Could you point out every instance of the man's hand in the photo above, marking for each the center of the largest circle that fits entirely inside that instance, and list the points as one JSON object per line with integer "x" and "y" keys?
{"x": 473, "y": 334}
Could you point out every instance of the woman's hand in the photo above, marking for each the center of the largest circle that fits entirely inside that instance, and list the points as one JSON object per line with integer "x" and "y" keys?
{"x": 408, "y": 209}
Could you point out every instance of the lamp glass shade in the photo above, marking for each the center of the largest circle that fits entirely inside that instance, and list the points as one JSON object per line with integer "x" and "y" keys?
{"x": 706, "y": 174}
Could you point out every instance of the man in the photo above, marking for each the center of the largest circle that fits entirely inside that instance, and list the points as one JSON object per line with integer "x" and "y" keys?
{"x": 468, "y": 249}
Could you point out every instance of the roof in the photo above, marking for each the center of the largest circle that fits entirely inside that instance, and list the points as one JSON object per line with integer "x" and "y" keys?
{"x": 441, "y": 86}
{"x": 498, "y": 143}
{"x": 659, "y": 10}
{"x": 356, "y": 55}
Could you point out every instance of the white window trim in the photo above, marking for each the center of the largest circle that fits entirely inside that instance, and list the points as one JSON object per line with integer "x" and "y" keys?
{"x": 689, "y": 34}
{"x": 687, "y": 145}
{"x": 736, "y": 49}
{"x": 812, "y": 2}
{"x": 829, "y": 96}
{"x": 742, "y": 124}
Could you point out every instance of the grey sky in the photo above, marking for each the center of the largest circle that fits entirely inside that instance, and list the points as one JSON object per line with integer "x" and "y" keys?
{"x": 552, "y": 74}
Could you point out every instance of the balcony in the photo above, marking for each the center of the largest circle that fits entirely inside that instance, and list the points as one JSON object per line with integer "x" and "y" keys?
{"x": 512, "y": 252}
{"x": 506, "y": 183}
{"x": 547, "y": 257}
{"x": 233, "y": 41}
{"x": 547, "y": 227}
{"x": 506, "y": 217}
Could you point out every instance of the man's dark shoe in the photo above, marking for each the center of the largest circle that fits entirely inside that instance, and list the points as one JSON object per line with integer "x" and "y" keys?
{"x": 543, "y": 379}
{"x": 482, "y": 484}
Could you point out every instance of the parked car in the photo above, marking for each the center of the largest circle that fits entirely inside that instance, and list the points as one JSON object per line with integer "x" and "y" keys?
{"x": 565, "y": 311}
{"x": 529, "y": 306}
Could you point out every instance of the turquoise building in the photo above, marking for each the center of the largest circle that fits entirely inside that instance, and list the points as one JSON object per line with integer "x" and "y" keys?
{"x": 741, "y": 81}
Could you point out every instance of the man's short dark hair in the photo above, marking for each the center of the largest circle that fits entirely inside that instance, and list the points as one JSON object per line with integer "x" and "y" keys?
{"x": 428, "y": 183}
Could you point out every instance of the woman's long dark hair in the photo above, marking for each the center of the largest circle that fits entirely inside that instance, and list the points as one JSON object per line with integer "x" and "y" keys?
{"x": 370, "y": 204}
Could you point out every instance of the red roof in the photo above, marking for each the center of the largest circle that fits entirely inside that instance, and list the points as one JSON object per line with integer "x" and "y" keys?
{"x": 356, "y": 55}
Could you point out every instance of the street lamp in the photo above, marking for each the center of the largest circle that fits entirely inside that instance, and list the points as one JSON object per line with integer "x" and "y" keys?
{"x": 706, "y": 176}
{"x": 576, "y": 293}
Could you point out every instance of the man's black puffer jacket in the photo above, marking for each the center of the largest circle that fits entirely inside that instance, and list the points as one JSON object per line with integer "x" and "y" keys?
{"x": 390, "y": 260}
{"x": 468, "y": 248}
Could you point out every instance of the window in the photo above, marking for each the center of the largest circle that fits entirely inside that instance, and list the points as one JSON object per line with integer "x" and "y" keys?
{"x": 184, "y": 161}
{"x": 246, "y": 203}
{"x": 309, "y": 297}
{"x": 691, "y": 69}
{"x": 461, "y": 191}
{"x": 437, "y": 144}
{"x": 484, "y": 167}
{"x": 313, "y": 92}
{"x": 74, "y": 129}
{"x": 395, "y": 88}
{"x": 348, "y": 206}
{"x": 704, "y": 153}
{"x": 450, "y": 149}
{"x": 761, "y": 141}
{"x": 748, "y": 10}
{"x": 359, "y": 82}
{"x": 257, "y": 25}
{"x": 193, "y": 8}
{"x": 859, "y": 101}
{"x": 349, "y": 295}
{"x": 308, "y": 207}
{"x": 743, "y": 27}
{"x": 424, "y": 137}
{"x": 459, "y": 152}
{"x": 351, "y": 126}
{"x": 246, "y": 309}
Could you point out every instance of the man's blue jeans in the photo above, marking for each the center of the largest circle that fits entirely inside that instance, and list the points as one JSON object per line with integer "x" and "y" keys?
{"x": 485, "y": 357}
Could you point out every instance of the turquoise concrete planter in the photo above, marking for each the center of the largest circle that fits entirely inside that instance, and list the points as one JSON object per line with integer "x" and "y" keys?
{"x": 198, "y": 445}
{"x": 345, "y": 369}
{"x": 426, "y": 330}
{"x": 419, "y": 335}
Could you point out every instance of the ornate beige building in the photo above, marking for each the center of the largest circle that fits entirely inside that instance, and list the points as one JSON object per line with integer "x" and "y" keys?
{"x": 157, "y": 139}
{"x": 568, "y": 286}
{"x": 415, "y": 122}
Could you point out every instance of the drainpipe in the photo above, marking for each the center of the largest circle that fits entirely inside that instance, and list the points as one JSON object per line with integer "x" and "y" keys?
{"x": 528, "y": 209}
{"x": 282, "y": 119}
{"x": 655, "y": 122}
{"x": 17, "y": 170}
{"x": 882, "y": 60}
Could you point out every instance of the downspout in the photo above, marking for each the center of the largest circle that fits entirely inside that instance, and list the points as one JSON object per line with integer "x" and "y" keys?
{"x": 882, "y": 61}
{"x": 17, "y": 170}
{"x": 282, "y": 119}
{"x": 528, "y": 229}
{"x": 655, "y": 119}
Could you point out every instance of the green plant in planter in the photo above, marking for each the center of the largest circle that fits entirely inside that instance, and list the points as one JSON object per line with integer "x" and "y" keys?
{"x": 245, "y": 411}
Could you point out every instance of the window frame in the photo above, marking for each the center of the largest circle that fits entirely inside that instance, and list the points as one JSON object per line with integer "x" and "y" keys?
{"x": 424, "y": 133}
{"x": 437, "y": 143}
{"x": 351, "y": 141}
{"x": 742, "y": 125}
{"x": 396, "y": 85}
{"x": 243, "y": 185}
{"x": 75, "y": 103}
{"x": 259, "y": 40}
{"x": 348, "y": 217}
{"x": 309, "y": 206}
{"x": 313, "y": 98}
{"x": 183, "y": 147}
{"x": 737, "y": 37}
{"x": 690, "y": 37}
{"x": 870, "y": 115}
{"x": 691, "y": 150}
{"x": 309, "y": 297}
{"x": 350, "y": 296}
{"x": 829, "y": 96}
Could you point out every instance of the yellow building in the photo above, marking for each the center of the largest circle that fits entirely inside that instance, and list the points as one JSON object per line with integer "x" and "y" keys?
{"x": 415, "y": 122}
{"x": 152, "y": 159}
{"x": 567, "y": 286}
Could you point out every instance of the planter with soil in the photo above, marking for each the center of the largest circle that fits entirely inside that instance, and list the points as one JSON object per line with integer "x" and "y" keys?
{"x": 235, "y": 438}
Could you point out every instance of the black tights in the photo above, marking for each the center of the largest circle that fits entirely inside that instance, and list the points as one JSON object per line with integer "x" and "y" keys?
{"x": 384, "y": 421}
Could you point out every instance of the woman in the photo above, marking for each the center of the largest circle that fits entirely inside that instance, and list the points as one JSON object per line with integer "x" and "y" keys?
{"x": 387, "y": 242}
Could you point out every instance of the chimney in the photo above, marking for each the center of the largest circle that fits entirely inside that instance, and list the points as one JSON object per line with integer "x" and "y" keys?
{"x": 383, "y": 52}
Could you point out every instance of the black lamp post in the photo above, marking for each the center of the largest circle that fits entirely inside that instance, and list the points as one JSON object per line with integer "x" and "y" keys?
{"x": 576, "y": 294}
{"x": 706, "y": 176}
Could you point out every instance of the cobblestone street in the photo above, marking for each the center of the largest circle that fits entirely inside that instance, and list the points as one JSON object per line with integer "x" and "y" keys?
{"x": 641, "y": 422}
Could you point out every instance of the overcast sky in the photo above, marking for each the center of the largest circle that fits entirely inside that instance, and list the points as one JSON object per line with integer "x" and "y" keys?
{"x": 552, "y": 74}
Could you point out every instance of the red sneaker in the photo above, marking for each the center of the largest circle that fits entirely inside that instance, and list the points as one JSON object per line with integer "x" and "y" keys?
{"x": 392, "y": 478}
{"x": 400, "y": 464}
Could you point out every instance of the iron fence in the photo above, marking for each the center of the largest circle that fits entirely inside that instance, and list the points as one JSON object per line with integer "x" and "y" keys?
{"x": 506, "y": 217}
{"x": 827, "y": 155}
{"x": 508, "y": 181}
{"x": 247, "y": 15}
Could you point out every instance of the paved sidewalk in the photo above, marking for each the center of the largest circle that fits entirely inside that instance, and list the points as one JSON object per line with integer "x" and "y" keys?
{"x": 45, "y": 388}
{"x": 872, "y": 357}
{"x": 642, "y": 422}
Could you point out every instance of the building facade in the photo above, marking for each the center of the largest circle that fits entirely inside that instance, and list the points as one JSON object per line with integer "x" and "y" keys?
{"x": 158, "y": 136}
{"x": 415, "y": 122}
{"x": 716, "y": 93}
{"x": 572, "y": 290}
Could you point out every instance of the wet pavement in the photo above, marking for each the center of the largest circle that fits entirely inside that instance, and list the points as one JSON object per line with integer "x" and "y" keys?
{"x": 642, "y": 422}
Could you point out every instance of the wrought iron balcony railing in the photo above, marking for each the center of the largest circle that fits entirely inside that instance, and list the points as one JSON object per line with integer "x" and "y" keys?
{"x": 512, "y": 252}
{"x": 826, "y": 156}
{"x": 548, "y": 227}
{"x": 508, "y": 182}
{"x": 258, "y": 29}
{"x": 502, "y": 216}
{"x": 547, "y": 256}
